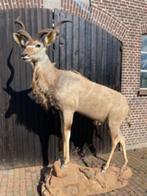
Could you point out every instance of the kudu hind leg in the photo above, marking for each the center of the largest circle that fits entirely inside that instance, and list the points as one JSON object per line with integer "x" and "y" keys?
{"x": 116, "y": 137}
{"x": 115, "y": 141}
{"x": 122, "y": 142}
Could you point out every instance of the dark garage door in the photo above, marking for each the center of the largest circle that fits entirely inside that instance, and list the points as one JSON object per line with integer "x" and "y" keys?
{"x": 28, "y": 134}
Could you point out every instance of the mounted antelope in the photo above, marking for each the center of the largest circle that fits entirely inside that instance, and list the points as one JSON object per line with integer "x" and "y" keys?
{"x": 71, "y": 92}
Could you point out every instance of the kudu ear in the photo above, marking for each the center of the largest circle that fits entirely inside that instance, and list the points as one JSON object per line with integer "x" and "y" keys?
{"x": 50, "y": 38}
{"x": 50, "y": 34}
{"x": 20, "y": 40}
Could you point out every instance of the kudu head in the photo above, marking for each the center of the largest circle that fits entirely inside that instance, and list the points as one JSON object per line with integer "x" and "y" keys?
{"x": 34, "y": 50}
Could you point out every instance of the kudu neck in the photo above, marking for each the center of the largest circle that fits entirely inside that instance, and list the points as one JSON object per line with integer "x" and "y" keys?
{"x": 47, "y": 69}
{"x": 45, "y": 63}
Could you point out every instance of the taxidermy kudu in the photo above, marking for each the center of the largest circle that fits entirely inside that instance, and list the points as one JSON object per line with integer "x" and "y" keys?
{"x": 71, "y": 92}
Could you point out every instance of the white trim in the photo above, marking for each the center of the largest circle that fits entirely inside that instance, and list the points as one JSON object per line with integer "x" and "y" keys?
{"x": 143, "y": 52}
{"x": 135, "y": 146}
{"x": 143, "y": 70}
{"x": 143, "y": 88}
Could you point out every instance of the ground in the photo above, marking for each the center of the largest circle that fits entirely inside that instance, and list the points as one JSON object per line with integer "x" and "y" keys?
{"x": 25, "y": 181}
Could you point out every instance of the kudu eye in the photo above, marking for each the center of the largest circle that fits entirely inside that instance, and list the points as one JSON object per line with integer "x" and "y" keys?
{"x": 38, "y": 46}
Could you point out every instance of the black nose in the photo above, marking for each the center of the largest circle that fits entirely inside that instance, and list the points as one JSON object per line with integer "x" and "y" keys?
{"x": 23, "y": 55}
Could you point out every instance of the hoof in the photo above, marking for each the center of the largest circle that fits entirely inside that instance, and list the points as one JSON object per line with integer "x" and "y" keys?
{"x": 63, "y": 166}
{"x": 123, "y": 168}
{"x": 103, "y": 171}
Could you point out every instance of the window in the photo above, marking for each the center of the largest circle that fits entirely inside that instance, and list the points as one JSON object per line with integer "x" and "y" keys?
{"x": 143, "y": 83}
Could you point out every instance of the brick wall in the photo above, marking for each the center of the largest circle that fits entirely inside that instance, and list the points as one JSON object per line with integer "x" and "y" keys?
{"x": 12, "y": 4}
{"x": 126, "y": 20}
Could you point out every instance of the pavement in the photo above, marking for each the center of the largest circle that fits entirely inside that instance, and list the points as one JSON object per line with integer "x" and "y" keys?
{"x": 26, "y": 181}
{"x": 138, "y": 183}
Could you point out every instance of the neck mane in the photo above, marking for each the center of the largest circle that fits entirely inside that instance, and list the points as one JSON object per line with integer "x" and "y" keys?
{"x": 48, "y": 70}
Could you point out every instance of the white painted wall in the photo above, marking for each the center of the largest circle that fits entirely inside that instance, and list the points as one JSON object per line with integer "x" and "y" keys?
{"x": 52, "y": 4}
{"x": 57, "y": 3}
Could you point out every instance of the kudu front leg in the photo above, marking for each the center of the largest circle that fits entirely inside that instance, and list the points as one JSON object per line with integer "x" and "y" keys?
{"x": 67, "y": 119}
